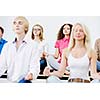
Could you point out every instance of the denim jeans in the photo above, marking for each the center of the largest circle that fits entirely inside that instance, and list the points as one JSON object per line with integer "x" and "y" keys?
{"x": 43, "y": 64}
{"x": 24, "y": 81}
{"x": 98, "y": 65}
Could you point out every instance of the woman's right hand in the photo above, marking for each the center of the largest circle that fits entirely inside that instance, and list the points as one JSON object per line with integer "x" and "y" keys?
{"x": 46, "y": 71}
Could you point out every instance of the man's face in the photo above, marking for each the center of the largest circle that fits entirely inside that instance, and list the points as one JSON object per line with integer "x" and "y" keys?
{"x": 18, "y": 26}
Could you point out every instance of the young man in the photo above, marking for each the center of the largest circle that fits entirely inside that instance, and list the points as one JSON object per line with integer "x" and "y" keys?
{"x": 2, "y": 41}
{"x": 20, "y": 58}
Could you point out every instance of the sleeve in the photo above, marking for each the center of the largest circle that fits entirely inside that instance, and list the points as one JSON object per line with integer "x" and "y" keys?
{"x": 57, "y": 44}
{"x": 45, "y": 47}
{"x": 34, "y": 63}
{"x": 3, "y": 60}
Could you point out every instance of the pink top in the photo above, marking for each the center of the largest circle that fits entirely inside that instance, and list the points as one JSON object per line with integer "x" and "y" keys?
{"x": 61, "y": 44}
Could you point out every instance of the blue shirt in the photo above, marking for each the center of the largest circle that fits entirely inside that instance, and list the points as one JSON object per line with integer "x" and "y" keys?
{"x": 2, "y": 42}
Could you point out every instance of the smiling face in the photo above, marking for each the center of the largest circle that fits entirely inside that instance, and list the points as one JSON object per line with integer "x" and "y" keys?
{"x": 78, "y": 32}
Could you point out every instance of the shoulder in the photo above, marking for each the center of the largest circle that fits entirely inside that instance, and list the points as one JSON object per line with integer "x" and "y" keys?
{"x": 65, "y": 52}
{"x": 58, "y": 42}
{"x": 4, "y": 41}
{"x": 91, "y": 53}
{"x": 44, "y": 42}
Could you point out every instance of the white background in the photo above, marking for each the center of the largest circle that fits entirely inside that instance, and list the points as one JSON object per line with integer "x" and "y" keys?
{"x": 51, "y": 8}
{"x": 51, "y": 25}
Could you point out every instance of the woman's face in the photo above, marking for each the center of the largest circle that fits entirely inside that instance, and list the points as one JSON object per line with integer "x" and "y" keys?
{"x": 19, "y": 26}
{"x": 78, "y": 33}
{"x": 66, "y": 29}
{"x": 36, "y": 30}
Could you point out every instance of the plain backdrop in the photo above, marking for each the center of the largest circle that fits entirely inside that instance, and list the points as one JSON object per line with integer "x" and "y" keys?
{"x": 81, "y": 11}
{"x": 51, "y": 25}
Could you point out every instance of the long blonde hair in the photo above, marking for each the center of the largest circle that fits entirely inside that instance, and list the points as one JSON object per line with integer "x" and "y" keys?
{"x": 86, "y": 38}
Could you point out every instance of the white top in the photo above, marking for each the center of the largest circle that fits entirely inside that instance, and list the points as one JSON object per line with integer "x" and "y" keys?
{"x": 19, "y": 62}
{"x": 41, "y": 46}
{"x": 79, "y": 67}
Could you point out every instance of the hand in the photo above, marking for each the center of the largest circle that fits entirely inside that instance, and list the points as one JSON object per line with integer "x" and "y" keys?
{"x": 67, "y": 72}
{"x": 29, "y": 76}
{"x": 44, "y": 54}
{"x": 46, "y": 71}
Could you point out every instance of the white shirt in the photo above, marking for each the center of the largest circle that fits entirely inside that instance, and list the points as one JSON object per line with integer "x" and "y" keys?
{"x": 41, "y": 46}
{"x": 21, "y": 62}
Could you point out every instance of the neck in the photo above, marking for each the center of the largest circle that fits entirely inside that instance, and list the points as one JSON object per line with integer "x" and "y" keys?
{"x": 67, "y": 36}
{"x": 37, "y": 38}
{"x": 79, "y": 44}
{"x": 20, "y": 37}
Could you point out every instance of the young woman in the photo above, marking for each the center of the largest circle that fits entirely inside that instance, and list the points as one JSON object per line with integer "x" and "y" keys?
{"x": 97, "y": 48}
{"x": 61, "y": 43}
{"x": 19, "y": 57}
{"x": 37, "y": 37}
{"x": 80, "y": 57}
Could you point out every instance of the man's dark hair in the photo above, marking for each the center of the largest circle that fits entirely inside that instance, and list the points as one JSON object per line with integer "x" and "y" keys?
{"x": 2, "y": 30}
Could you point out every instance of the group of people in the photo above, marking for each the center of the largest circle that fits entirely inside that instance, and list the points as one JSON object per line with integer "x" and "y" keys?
{"x": 24, "y": 60}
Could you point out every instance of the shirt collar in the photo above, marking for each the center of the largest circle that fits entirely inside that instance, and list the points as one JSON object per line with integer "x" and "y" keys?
{"x": 66, "y": 39}
{"x": 1, "y": 40}
{"x": 24, "y": 40}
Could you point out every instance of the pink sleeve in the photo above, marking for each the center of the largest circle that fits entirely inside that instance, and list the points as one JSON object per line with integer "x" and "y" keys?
{"x": 57, "y": 44}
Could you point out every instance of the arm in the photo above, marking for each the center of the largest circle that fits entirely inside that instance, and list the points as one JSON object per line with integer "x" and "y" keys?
{"x": 45, "y": 49}
{"x": 56, "y": 55}
{"x": 93, "y": 58}
{"x": 62, "y": 67}
{"x": 3, "y": 60}
{"x": 96, "y": 46}
{"x": 34, "y": 66}
{"x": 57, "y": 46}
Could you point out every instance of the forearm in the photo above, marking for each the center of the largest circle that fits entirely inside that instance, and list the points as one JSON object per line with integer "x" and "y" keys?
{"x": 57, "y": 73}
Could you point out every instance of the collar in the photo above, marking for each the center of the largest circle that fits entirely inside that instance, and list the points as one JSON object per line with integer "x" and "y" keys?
{"x": 1, "y": 40}
{"x": 24, "y": 40}
{"x": 66, "y": 39}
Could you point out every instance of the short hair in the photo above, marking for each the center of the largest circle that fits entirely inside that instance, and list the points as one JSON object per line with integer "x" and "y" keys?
{"x": 2, "y": 30}
{"x": 25, "y": 22}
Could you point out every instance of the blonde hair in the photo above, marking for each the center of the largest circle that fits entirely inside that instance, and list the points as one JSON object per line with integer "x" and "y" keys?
{"x": 41, "y": 32}
{"x": 86, "y": 38}
{"x": 26, "y": 23}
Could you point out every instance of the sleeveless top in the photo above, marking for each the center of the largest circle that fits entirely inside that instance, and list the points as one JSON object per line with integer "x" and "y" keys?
{"x": 79, "y": 67}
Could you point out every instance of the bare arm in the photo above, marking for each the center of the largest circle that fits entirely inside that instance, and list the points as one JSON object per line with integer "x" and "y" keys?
{"x": 56, "y": 55}
{"x": 62, "y": 67}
